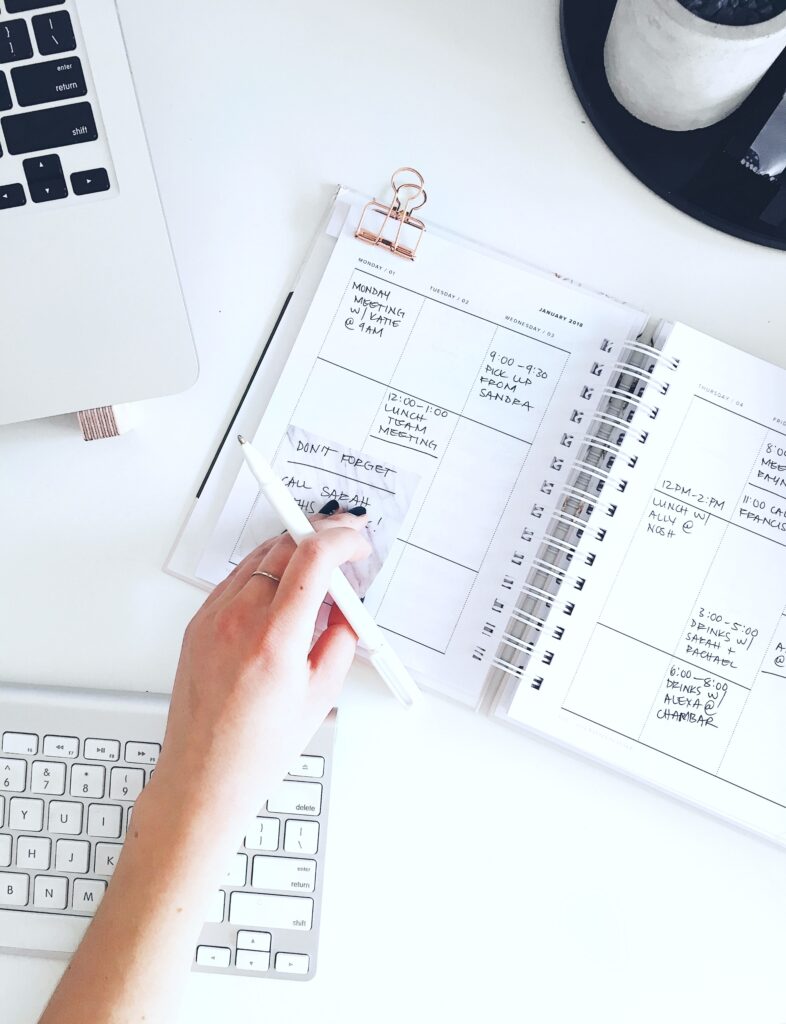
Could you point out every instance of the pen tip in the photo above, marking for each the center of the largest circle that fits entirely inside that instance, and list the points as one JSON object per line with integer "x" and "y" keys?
{"x": 241, "y": 439}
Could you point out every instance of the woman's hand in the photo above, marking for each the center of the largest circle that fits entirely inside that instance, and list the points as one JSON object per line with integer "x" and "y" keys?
{"x": 250, "y": 690}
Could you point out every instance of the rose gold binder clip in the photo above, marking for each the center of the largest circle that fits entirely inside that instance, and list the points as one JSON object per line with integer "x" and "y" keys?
{"x": 392, "y": 226}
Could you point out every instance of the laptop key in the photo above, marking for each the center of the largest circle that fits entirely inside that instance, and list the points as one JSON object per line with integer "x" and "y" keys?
{"x": 5, "y": 93}
{"x": 84, "y": 183}
{"x": 49, "y": 81}
{"x": 14, "y": 40}
{"x": 17, "y": 6}
{"x": 51, "y": 128}
{"x": 54, "y": 33}
{"x": 39, "y": 168}
{"x": 11, "y": 195}
{"x": 46, "y": 191}
{"x": 45, "y": 178}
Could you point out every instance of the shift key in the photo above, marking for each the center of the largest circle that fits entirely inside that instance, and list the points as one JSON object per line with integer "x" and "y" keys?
{"x": 50, "y": 128}
{"x": 258, "y": 910}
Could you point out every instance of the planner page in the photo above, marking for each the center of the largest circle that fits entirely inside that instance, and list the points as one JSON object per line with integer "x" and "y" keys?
{"x": 461, "y": 370}
{"x": 672, "y": 664}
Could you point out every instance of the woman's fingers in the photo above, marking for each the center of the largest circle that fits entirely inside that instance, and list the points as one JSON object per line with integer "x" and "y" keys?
{"x": 254, "y": 593}
{"x": 239, "y": 572}
{"x": 332, "y": 654}
{"x": 306, "y": 579}
{"x": 271, "y": 556}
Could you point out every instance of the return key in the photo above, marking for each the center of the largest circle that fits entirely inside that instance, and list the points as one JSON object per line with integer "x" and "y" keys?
{"x": 49, "y": 82}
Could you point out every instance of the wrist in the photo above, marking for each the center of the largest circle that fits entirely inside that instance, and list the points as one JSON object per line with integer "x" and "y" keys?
{"x": 188, "y": 811}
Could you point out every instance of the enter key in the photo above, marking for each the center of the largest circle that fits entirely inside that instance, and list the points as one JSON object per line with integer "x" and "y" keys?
{"x": 284, "y": 874}
{"x": 49, "y": 82}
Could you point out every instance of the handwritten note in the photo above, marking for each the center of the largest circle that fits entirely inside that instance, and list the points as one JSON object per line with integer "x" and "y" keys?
{"x": 317, "y": 471}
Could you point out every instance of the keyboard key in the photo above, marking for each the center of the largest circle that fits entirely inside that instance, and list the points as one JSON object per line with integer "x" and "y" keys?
{"x": 12, "y": 772}
{"x": 11, "y": 195}
{"x": 216, "y": 911}
{"x": 86, "y": 894}
{"x": 33, "y": 852}
{"x": 263, "y": 835}
{"x": 65, "y": 818}
{"x": 20, "y": 743}
{"x": 46, "y": 191}
{"x": 51, "y": 892}
{"x": 26, "y": 815}
{"x": 42, "y": 168}
{"x": 283, "y": 873}
{"x": 50, "y": 128}
{"x": 2, "y": 809}
{"x": 18, "y": 6}
{"x": 292, "y": 963}
{"x": 5, "y": 94}
{"x": 49, "y": 82}
{"x": 46, "y": 181}
{"x": 236, "y": 873}
{"x": 13, "y": 889}
{"x": 258, "y": 941}
{"x": 106, "y": 858}
{"x": 126, "y": 783}
{"x": 101, "y": 750}
{"x": 85, "y": 183}
{"x": 297, "y": 798}
{"x": 213, "y": 956}
{"x": 72, "y": 855}
{"x": 5, "y": 851}
{"x": 61, "y": 746}
{"x": 136, "y": 753}
{"x": 48, "y": 777}
{"x": 88, "y": 780}
{"x": 104, "y": 821}
{"x": 301, "y": 836}
{"x": 54, "y": 33}
{"x": 246, "y": 960}
{"x": 309, "y": 767}
{"x": 14, "y": 40}
{"x": 261, "y": 910}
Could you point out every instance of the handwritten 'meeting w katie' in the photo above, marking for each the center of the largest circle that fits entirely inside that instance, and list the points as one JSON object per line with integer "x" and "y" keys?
{"x": 317, "y": 471}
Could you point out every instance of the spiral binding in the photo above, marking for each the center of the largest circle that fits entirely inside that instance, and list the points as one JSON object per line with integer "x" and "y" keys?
{"x": 642, "y": 366}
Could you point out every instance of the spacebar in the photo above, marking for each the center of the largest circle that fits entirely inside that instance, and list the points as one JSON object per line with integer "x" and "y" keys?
{"x": 50, "y": 128}
{"x": 50, "y": 934}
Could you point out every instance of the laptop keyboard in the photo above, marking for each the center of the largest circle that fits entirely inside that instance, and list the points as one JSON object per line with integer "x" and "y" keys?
{"x": 51, "y": 143}
{"x": 73, "y": 762}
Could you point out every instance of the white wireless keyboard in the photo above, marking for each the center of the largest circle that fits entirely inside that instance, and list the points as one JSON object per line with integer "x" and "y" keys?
{"x": 72, "y": 762}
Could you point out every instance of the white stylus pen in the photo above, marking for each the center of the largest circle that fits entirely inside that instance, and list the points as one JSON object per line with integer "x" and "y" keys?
{"x": 382, "y": 656}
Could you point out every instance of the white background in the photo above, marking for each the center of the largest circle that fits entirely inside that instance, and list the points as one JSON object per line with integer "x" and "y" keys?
{"x": 473, "y": 872}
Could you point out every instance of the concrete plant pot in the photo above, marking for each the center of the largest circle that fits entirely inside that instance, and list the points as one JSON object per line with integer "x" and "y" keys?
{"x": 675, "y": 70}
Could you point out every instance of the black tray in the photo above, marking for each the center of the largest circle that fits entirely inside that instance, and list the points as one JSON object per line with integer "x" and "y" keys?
{"x": 700, "y": 172}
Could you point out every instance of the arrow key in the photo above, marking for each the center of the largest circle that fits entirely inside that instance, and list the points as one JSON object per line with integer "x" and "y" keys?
{"x": 11, "y": 195}
{"x": 48, "y": 189}
{"x": 45, "y": 178}
{"x": 85, "y": 182}
{"x": 41, "y": 168}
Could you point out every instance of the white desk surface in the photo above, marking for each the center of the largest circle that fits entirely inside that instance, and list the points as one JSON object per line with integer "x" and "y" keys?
{"x": 474, "y": 873}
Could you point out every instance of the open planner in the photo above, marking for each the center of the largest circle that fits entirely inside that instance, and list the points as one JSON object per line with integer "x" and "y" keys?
{"x": 578, "y": 510}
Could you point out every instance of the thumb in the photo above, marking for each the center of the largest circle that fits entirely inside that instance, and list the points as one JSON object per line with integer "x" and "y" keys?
{"x": 331, "y": 656}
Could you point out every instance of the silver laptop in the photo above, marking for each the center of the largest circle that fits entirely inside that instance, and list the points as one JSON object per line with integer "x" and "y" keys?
{"x": 91, "y": 310}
